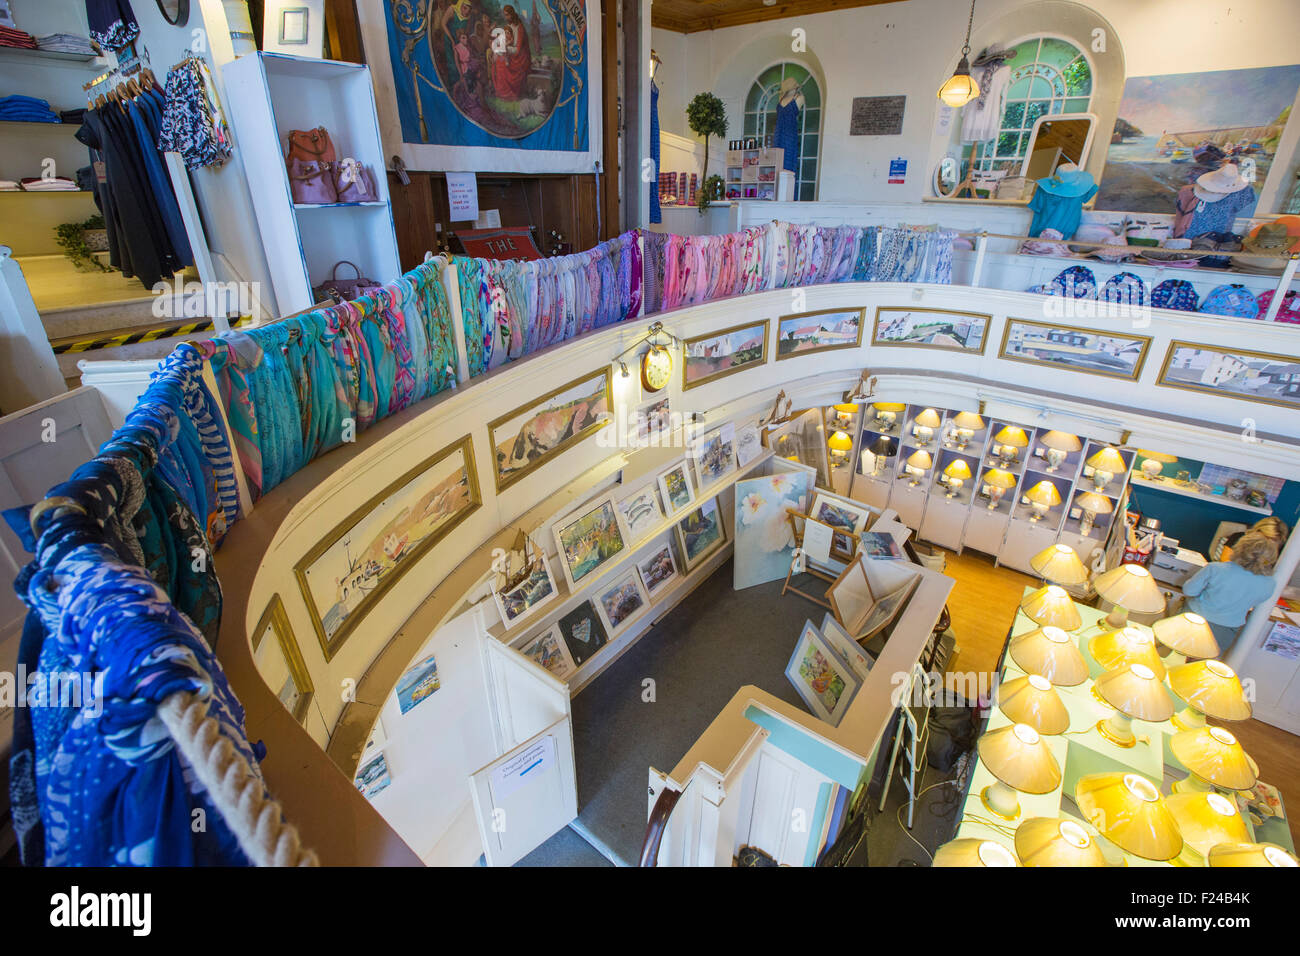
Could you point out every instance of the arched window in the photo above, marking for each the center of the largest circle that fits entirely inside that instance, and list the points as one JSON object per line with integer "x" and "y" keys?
{"x": 760, "y": 119}
{"x": 1048, "y": 75}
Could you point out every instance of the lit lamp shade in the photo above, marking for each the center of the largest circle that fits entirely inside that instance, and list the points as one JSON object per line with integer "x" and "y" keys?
{"x": 968, "y": 420}
{"x": 1061, "y": 441}
{"x": 1097, "y": 504}
{"x": 1044, "y": 495}
{"x": 928, "y": 418}
{"x": 959, "y": 89}
{"x": 1205, "y": 820}
{"x": 1129, "y": 587}
{"x": 1188, "y": 634}
{"x": 894, "y": 407}
{"x": 1134, "y": 691}
{"x": 999, "y": 482}
{"x": 840, "y": 442}
{"x": 1013, "y": 436}
{"x": 847, "y": 408}
{"x": 1034, "y": 701}
{"x": 1211, "y": 689}
{"x": 1105, "y": 464}
{"x": 958, "y": 468}
{"x": 1128, "y": 810}
{"x": 1213, "y": 756}
{"x": 969, "y": 851}
{"x": 1051, "y": 653}
{"x": 1045, "y": 841}
{"x": 884, "y": 447}
{"x": 1021, "y": 760}
{"x": 1052, "y": 605}
{"x": 918, "y": 463}
{"x": 1060, "y": 564}
{"x": 1250, "y": 854}
{"x": 1126, "y": 645}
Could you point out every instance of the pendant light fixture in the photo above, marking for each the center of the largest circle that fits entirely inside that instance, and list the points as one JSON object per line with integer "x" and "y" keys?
{"x": 961, "y": 87}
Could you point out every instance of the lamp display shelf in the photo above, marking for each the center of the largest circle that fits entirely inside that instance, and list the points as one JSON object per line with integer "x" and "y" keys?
{"x": 1090, "y": 513}
{"x": 924, "y": 425}
{"x": 965, "y": 432}
{"x": 1008, "y": 447}
{"x": 955, "y": 477}
{"x": 1041, "y": 499}
{"x": 1188, "y": 490}
{"x": 1105, "y": 468}
{"x": 885, "y": 418}
{"x": 914, "y": 465}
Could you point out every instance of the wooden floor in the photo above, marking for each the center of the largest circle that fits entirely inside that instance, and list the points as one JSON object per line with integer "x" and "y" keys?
{"x": 983, "y": 605}
{"x": 56, "y": 283}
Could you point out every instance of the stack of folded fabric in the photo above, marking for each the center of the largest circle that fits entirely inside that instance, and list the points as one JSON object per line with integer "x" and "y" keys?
{"x": 55, "y": 184}
{"x": 8, "y": 186}
{"x": 26, "y": 109}
{"x": 65, "y": 43}
{"x": 11, "y": 37}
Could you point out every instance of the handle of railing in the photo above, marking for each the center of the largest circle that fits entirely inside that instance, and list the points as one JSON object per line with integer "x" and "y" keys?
{"x": 657, "y": 824}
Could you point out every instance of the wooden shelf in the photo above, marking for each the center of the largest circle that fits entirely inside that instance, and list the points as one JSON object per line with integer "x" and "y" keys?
{"x": 57, "y": 55}
{"x": 1141, "y": 480}
{"x": 299, "y": 206}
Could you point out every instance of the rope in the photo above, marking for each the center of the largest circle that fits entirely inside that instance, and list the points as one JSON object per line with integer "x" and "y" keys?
{"x": 255, "y": 819}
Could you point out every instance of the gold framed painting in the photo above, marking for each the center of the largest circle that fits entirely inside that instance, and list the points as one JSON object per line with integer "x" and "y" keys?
{"x": 530, "y": 435}
{"x": 1232, "y": 373}
{"x": 931, "y": 328}
{"x": 588, "y": 538}
{"x": 825, "y": 330}
{"x": 280, "y": 661}
{"x": 707, "y": 358}
{"x": 351, "y": 568}
{"x": 1076, "y": 350}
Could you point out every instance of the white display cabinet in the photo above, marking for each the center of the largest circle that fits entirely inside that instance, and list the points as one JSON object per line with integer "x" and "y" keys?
{"x": 911, "y": 490}
{"x": 873, "y": 477}
{"x": 950, "y": 499}
{"x": 1034, "y": 526}
{"x": 269, "y": 94}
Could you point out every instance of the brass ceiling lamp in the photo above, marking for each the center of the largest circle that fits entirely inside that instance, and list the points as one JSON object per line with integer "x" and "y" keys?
{"x": 961, "y": 87}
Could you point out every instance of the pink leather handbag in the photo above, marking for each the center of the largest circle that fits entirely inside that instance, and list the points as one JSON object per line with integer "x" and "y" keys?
{"x": 311, "y": 182}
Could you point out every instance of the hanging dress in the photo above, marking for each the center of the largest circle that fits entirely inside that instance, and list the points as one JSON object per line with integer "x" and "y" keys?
{"x": 786, "y": 136}
{"x": 655, "y": 214}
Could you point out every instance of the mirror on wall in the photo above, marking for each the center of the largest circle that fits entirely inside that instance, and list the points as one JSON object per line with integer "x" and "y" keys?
{"x": 1058, "y": 138}
{"x": 947, "y": 177}
{"x": 175, "y": 12}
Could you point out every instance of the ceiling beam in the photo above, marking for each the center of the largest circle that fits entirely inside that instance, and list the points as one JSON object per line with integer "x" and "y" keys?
{"x": 671, "y": 15}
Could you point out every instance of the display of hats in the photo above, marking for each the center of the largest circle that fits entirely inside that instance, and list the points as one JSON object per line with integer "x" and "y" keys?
{"x": 1213, "y": 242}
{"x": 1076, "y": 282}
{"x": 1233, "y": 300}
{"x": 1272, "y": 242}
{"x": 1177, "y": 251}
{"x": 1095, "y": 232}
{"x": 1124, "y": 288}
{"x": 1116, "y": 251}
{"x": 1068, "y": 182}
{"x": 1219, "y": 184}
{"x": 1176, "y": 294}
{"x": 1047, "y": 244}
{"x": 1288, "y": 311}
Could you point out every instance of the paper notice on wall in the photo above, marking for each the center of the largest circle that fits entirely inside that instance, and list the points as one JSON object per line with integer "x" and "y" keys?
{"x": 898, "y": 171}
{"x": 943, "y": 119}
{"x": 817, "y": 541}
{"x": 462, "y": 193}
{"x": 523, "y": 768}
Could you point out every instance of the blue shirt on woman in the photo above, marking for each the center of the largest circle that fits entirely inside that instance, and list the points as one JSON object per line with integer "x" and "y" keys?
{"x": 1223, "y": 592}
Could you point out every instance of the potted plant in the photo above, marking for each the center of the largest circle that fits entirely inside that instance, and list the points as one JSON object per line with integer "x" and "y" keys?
{"x": 81, "y": 240}
{"x": 707, "y": 117}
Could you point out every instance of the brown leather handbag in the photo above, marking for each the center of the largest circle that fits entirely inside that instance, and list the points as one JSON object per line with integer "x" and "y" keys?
{"x": 311, "y": 146}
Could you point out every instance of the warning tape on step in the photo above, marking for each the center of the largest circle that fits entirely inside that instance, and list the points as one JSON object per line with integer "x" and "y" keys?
{"x": 146, "y": 335}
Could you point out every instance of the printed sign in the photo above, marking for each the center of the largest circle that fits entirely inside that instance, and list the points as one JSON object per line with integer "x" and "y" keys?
{"x": 877, "y": 115}
{"x": 462, "y": 192}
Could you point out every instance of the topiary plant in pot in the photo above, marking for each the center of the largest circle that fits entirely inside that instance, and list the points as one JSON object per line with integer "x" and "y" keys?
{"x": 707, "y": 117}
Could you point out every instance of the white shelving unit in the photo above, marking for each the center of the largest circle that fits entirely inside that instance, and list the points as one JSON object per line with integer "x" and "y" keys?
{"x": 269, "y": 94}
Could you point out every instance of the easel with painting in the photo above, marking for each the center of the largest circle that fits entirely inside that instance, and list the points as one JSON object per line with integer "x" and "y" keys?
{"x": 799, "y": 527}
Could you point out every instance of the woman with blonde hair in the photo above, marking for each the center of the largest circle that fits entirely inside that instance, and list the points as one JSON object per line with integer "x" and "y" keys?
{"x": 1224, "y": 592}
{"x": 1272, "y": 527}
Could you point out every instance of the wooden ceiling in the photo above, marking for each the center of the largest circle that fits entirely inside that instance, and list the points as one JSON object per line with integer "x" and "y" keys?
{"x": 692, "y": 16}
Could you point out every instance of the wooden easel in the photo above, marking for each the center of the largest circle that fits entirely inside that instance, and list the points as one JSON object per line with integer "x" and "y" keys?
{"x": 795, "y": 518}
{"x": 967, "y": 183}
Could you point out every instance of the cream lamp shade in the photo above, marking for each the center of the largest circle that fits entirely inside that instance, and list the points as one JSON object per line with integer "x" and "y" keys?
{"x": 958, "y": 468}
{"x": 1034, "y": 701}
{"x": 968, "y": 420}
{"x": 1211, "y": 689}
{"x": 1097, "y": 504}
{"x": 1050, "y": 652}
{"x": 1108, "y": 460}
{"x": 1213, "y": 755}
{"x": 1061, "y": 441}
{"x": 1129, "y": 587}
{"x": 1052, "y": 605}
{"x": 1134, "y": 691}
{"x": 969, "y": 851}
{"x": 840, "y": 442}
{"x": 1013, "y": 436}
{"x": 928, "y": 418}
{"x": 1205, "y": 820}
{"x": 1045, "y": 841}
{"x": 1127, "y": 645}
{"x": 1060, "y": 564}
{"x": 1250, "y": 854}
{"x": 1044, "y": 493}
{"x": 997, "y": 478}
{"x": 1188, "y": 634}
{"x": 1128, "y": 810}
{"x": 920, "y": 459}
{"x": 1020, "y": 759}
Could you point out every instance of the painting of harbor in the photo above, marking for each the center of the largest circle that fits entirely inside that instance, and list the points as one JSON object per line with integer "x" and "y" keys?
{"x": 1079, "y": 350}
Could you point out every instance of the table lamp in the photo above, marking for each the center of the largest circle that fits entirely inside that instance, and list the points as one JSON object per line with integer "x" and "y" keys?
{"x": 1129, "y": 587}
{"x": 840, "y": 445}
{"x": 1060, "y": 564}
{"x": 918, "y": 463}
{"x": 1134, "y": 691}
{"x": 999, "y": 482}
{"x": 1127, "y": 645}
{"x": 1020, "y": 760}
{"x": 1050, "y": 652}
{"x": 1105, "y": 465}
{"x": 1008, "y": 442}
{"x": 845, "y": 413}
{"x": 1045, "y": 841}
{"x": 1042, "y": 497}
{"x": 1059, "y": 445}
{"x": 1210, "y": 689}
{"x": 887, "y": 415}
{"x": 957, "y": 472}
{"x": 1250, "y": 854}
{"x": 1052, "y": 605}
{"x": 883, "y": 448}
{"x": 1212, "y": 756}
{"x": 1092, "y": 504}
{"x": 1127, "y": 809}
{"x": 969, "y": 851}
{"x": 1034, "y": 701}
{"x": 1154, "y": 462}
{"x": 967, "y": 424}
{"x": 1205, "y": 820}
{"x": 924, "y": 424}
{"x": 1187, "y": 635}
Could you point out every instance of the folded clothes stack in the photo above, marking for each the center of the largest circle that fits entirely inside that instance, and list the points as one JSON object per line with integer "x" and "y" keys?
{"x": 26, "y": 109}
{"x": 65, "y": 43}
{"x": 17, "y": 38}
{"x": 55, "y": 184}
{"x": 8, "y": 186}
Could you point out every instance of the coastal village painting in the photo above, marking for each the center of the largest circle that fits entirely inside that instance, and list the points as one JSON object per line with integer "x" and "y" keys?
{"x": 1256, "y": 376}
{"x": 529, "y": 435}
{"x": 712, "y": 356}
{"x": 1119, "y": 356}
{"x": 818, "y": 332}
{"x": 935, "y": 327}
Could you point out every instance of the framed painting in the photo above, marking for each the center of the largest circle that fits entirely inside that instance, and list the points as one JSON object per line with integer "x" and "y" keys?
{"x": 532, "y": 434}
{"x": 806, "y": 333}
{"x": 418, "y": 683}
{"x": 822, "y": 678}
{"x": 583, "y": 632}
{"x": 622, "y": 600}
{"x": 352, "y": 567}
{"x": 280, "y": 661}
{"x": 548, "y": 650}
{"x": 589, "y": 538}
{"x": 523, "y": 599}
{"x": 931, "y": 328}
{"x": 714, "y": 455}
{"x": 763, "y": 531}
{"x": 658, "y": 569}
{"x": 700, "y": 533}
{"x": 843, "y": 515}
{"x": 719, "y": 354}
{"x": 802, "y": 439}
{"x": 749, "y": 444}
{"x": 845, "y": 646}
{"x": 373, "y": 776}
{"x": 675, "y": 486}
{"x": 641, "y": 514}
{"x": 651, "y": 424}
{"x": 1076, "y": 350}
{"x": 1233, "y": 373}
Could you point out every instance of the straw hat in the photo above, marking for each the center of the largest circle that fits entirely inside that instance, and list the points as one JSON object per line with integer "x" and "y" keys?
{"x": 1219, "y": 184}
{"x": 1271, "y": 237}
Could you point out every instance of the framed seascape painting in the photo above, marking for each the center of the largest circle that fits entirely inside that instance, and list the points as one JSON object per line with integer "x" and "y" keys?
{"x": 583, "y": 632}
{"x": 279, "y": 661}
{"x": 372, "y": 775}
{"x": 1078, "y": 350}
{"x": 675, "y": 485}
{"x": 935, "y": 328}
{"x": 623, "y": 600}
{"x": 658, "y": 569}
{"x": 714, "y": 455}
{"x": 353, "y": 566}
{"x": 641, "y": 513}
{"x": 588, "y": 538}
{"x": 1253, "y": 376}
{"x": 700, "y": 533}
{"x": 713, "y": 356}
{"x": 824, "y": 681}
{"x": 550, "y": 651}
{"x": 532, "y": 434}
{"x": 806, "y": 333}
{"x": 521, "y": 600}
{"x": 417, "y": 684}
